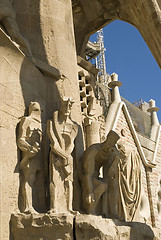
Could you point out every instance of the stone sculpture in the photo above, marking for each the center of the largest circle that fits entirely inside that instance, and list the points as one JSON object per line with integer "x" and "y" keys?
{"x": 123, "y": 177}
{"x": 29, "y": 142}
{"x": 10, "y": 26}
{"x": 62, "y": 132}
{"x": 95, "y": 157}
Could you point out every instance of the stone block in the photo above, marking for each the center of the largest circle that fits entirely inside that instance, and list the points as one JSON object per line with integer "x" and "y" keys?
{"x": 41, "y": 227}
{"x": 90, "y": 227}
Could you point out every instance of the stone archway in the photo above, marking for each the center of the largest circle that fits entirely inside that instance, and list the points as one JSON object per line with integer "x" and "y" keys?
{"x": 89, "y": 16}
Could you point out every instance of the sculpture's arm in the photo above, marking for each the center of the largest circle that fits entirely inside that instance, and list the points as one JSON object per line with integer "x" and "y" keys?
{"x": 29, "y": 150}
{"x": 73, "y": 135}
{"x": 87, "y": 172}
{"x": 22, "y": 143}
{"x": 55, "y": 147}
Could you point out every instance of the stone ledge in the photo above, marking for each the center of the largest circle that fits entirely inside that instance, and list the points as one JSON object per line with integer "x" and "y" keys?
{"x": 41, "y": 227}
{"x": 80, "y": 227}
{"x": 47, "y": 69}
{"x": 87, "y": 65}
{"x": 96, "y": 228}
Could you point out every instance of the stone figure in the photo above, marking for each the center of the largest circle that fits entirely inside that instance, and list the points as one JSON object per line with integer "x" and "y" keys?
{"x": 123, "y": 177}
{"x": 9, "y": 24}
{"x": 29, "y": 142}
{"x": 95, "y": 157}
{"x": 62, "y": 132}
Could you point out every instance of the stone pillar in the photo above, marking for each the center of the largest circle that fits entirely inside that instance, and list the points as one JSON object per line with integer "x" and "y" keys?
{"x": 153, "y": 111}
{"x": 115, "y": 84}
{"x": 116, "y": 100}
{"x": 154, "y": 119}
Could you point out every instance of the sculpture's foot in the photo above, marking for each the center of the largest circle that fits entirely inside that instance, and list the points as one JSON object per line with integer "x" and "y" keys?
{"x": 30, "y": 211}
{"x": 74, "y": 212}
{"x": 51, "y": 211}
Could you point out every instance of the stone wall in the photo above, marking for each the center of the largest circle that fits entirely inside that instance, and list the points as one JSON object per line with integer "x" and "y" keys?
{"x": 155, "y": 185}
{"x": 20, "y": 84}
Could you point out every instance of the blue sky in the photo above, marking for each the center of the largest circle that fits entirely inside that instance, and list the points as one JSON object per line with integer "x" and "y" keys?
{"x": 128, "y": 55}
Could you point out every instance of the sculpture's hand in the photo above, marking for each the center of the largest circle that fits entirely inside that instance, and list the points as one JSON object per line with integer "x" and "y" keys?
{"x": 90, "y": 198}
{"x": 34, "y": 149}
{"x": 58, "y": 162}
{"x": 36, "y": 146}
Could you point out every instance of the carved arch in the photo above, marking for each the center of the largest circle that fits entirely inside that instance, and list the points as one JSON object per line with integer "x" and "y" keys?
{"x": 89, "y": 16}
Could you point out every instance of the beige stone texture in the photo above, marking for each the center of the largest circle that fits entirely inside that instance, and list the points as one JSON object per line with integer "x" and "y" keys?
{"x": 62, "y": 132}
{"x": 92, "y": 185}
{"x": 90, "y": 106}
{"x": 48, "y": 27}
{"x": 32, "y": 179}
{"x": 41, "y": 227}
{"x": 51, "y": 33}
{"x": 95, "y": 228}
{"x": 87, "y": 227}
{"x": 20, "y": 83}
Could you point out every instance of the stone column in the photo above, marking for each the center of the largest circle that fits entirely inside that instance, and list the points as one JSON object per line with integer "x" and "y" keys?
{"x": 154, "y": 119}
{"x": 115, "y": 84}
{"x": 116, "y": 100}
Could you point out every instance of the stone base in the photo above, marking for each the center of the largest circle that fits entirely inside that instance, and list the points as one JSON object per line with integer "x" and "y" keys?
{"x": 41, "y": 227}
{"x": 80, "y": 227}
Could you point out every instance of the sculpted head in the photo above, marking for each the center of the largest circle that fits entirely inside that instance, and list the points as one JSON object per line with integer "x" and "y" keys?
{"x": 111, "y": 140}
{"x": 66, "y": 106}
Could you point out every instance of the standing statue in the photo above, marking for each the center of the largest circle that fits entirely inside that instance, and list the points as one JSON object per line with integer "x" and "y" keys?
{"x": 95, "y": 157}
{"x": 62, "y": 132}
{"x": 29, "y": 142}
{"x": 123, "y": 177}
{"x": 9, "y": 24}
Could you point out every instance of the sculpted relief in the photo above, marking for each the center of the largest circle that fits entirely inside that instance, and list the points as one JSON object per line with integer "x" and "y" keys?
{"x": 62, "y": 132}
{"x": 115, "y": 194}
{"x": 29, "y": 142}
{"x": 123, "y": 177}
{"x": 118, "y": 191}
{"x": 93, "y": 159}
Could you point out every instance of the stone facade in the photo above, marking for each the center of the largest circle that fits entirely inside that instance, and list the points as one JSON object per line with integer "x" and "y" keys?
{"x": 55, "y": 141}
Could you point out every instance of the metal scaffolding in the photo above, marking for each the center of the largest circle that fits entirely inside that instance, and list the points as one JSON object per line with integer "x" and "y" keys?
{"x": 103, "y": 76}
{"x": 100, "y": 60}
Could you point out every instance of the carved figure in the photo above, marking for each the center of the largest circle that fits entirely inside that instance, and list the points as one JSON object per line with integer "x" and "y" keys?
{"x": 29, "y": 142}
{"x": 95, "y": 157}
{"x": 62, "y": 132}
{"x": 8, "y": 22}
{"x": 123, "y": 177}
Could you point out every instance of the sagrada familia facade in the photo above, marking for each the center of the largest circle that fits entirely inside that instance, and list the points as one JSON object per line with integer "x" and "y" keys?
{"x": 68, "y": 171}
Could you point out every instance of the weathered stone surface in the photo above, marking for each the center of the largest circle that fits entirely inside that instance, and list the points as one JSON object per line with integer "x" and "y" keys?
{"x": 89, "y": 227}
{"x": 81, "y": 227}
{"x": 41, "y": 227}
{"x": 95, "y": 157}
{"x": 44, "y": 30}
{"x": 62, "y": 132}
{"x": 94, "y": 227}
